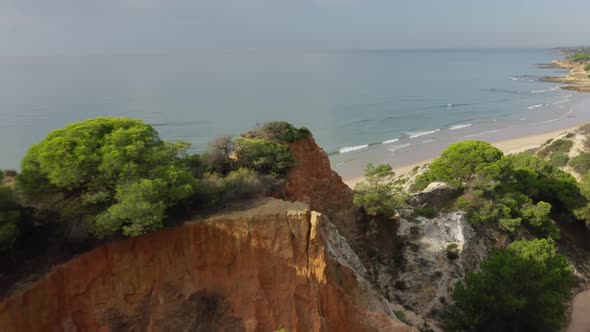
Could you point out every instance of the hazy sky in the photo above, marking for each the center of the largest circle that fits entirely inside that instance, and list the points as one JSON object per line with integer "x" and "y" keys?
{"x": 111, "y": 26}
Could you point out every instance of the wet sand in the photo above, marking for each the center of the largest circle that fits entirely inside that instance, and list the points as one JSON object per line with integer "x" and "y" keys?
{"x": 508, "y": 146}
{"x": 580, "y": 317}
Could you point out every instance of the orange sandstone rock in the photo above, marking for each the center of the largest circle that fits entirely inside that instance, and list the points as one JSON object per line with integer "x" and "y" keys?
{"x": 275, "y": 265}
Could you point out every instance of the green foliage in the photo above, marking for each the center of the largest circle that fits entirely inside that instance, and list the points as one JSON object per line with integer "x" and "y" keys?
{"x": 380, "y": 193}
{"x": 279, "y": 131}
{"x": 427, "y": 212}
{"x": 583, "y": 213}
{"x": 490, "y": 212}
{"x": 116, "y": 172}
{"x": 587, "y": 67}
{"x": 401, "y": 315}
{"x": 263, "y": 156}
{"x": 580, "y": 56}
{"x": 10, "y": 216}
{"x": 538, "y": 217}
{"x": 521, "y": 288}
{"x": 460, "y": 161}
{"x": 558, "y": 145}
{"x": 214, "y": 191}
{"x": 559, "y": 159}
{"x": 542, "y": 181}
{"x": 581, "y": 163}
{"x": 452, "y": 251}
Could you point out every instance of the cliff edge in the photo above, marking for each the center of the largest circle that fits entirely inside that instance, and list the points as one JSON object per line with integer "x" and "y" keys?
{"x": 273, "y": 265}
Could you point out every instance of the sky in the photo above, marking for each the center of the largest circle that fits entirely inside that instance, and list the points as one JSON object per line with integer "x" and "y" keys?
{"x": 49, "y": 27}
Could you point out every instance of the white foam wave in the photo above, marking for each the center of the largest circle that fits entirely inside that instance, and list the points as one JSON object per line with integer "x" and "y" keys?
{"x": 539, "y": 91}
{"x": 421, "y": 133}
{"x": 552, "y": 120}
{"x": 353, "y": 148}
{"x": 555, "y": 88}
{"x": 514, "y": 78}
{"x": 482, "y": 133}
{"x": 561, "y": 102}
{"x": 389, "y": 141}
{"x": 455, "y": 127}
{"x": 535, "y": 106}
{"x": 399, "y": 147}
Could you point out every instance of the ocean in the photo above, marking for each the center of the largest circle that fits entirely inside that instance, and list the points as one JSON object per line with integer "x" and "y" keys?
{"x": 371, "y": 105}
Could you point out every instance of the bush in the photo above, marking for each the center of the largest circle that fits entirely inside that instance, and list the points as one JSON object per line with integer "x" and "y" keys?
{"x": 581, "y": 163}
{"x": 427, "y": 212}
{"x": 580, "y": 56}
{"x": 401, "y": 315}
{"x": 558, "y": 145}
{"x": 452, "y": 251}
{"x": 380, "y": 193}
{"x": 265, "y": 157}
{"x": 538, "y": 217}
{"x": 460, "y": 161}
{"x": 10, "y": 217}
{"x": 587, "y": 67}
{"x": 214, "y": 191}
{"x": 243, "y": 183}
{"x": 218, "y": 157}
{"x": 114, "y": 172}
{"x": 521, "y": 288}
{"x": 279, "y": 131}
{"x": 559, "y": 159}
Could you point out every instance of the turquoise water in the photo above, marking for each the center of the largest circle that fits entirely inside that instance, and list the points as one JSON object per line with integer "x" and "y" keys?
{"x": 351, "y": 100}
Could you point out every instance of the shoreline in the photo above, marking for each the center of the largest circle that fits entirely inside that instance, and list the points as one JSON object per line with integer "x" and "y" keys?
{"x": 508, "y": 146}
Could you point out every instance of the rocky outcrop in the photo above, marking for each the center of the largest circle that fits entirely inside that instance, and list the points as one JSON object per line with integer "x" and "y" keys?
{"x": 273, "y": 265}
{"x": 577, "y": 79}
{"x": 314, "y": 182}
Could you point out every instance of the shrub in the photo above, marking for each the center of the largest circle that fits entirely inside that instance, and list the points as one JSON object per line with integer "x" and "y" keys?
{"x": 521, "y": 288}
{"x": 452, "y": 251}
{"x": 243, "y": 183}
{"x": 265, "y": 157}
{"x": 401, "y": 315}
{"x": 558, "y": 145}
{"x": 538, "y": 217}
{"x": 580, "y": 56}
{"x": 279, "y": 131}
{"x": 380, "y": 193}
{"x": 581, "y": 163}
{"x": 427, "y": 212}
{"x": 460, "y": 161}
{"x": 559, "y": 159}
{"x": 214, "y": 191}
{"x": 585, "y": 129}
{"x": 587, "y": 67}
{"x": 115, "y": 172}
{"x": 10, "y": 217}
{"x": 218, "y": 156}
{"x": 490, "y": 212}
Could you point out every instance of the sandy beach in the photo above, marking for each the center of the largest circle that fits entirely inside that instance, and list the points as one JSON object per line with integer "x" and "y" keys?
{"x": 508, "y": 146}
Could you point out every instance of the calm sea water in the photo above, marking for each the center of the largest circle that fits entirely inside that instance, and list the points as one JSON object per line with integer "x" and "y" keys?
{"x": 353, "y": 101}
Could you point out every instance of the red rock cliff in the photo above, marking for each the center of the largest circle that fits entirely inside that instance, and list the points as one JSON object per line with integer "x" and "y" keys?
{"x": 274, "y": 265}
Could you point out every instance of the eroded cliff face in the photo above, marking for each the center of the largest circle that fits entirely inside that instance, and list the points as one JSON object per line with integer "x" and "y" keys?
{"x": 314, "y": 182}
{"x": 273, "y": 265}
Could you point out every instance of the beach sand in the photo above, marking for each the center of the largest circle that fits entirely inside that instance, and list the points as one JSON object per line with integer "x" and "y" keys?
{"x": 509, "y": 146}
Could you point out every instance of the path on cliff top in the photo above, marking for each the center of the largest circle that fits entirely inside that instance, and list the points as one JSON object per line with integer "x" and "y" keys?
{"x": 580, "y": 320}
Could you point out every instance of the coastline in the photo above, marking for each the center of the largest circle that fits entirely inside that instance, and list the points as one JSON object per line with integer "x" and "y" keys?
{"x": 508, "y": 146}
